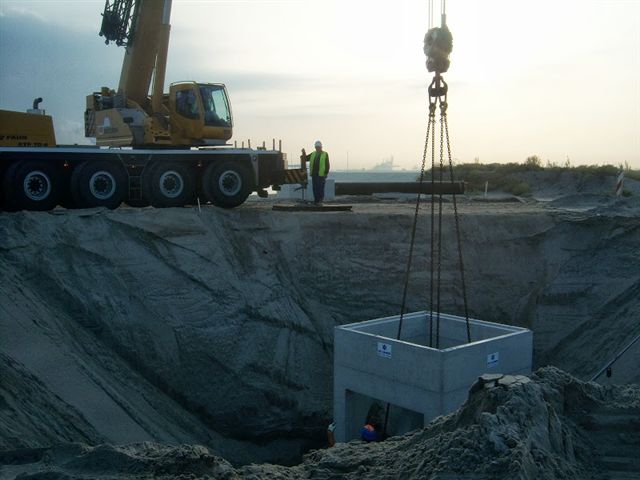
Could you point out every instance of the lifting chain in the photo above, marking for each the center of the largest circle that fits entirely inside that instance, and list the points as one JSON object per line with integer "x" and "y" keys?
{"x": 430, "y": 126}
{"x": 463, "y": 284}
{"x": 438, "y": 44}
{"x": 438, "y": 90}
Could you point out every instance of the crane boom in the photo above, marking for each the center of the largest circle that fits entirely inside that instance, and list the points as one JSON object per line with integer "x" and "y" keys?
{"x": 142, "y": 26}
{"x": 117, "y": 20}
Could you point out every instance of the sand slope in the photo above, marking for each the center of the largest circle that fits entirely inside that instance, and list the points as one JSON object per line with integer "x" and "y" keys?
{"x": 33, "y": 416}
{"x": 215, "y": 328}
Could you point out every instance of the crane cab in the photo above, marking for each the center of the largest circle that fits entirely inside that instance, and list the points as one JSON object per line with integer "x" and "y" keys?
{"x": 192, "y": 114}
{"x": 199, "y": 113}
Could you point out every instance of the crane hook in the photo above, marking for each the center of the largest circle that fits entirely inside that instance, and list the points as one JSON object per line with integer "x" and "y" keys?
{"x": 438, "y": 44}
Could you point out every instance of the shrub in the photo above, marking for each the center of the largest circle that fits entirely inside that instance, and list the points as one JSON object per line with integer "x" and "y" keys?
{"x": 533, "y": 162}
{"x": 518, "y": 188}
{"x": 508, "y": 176}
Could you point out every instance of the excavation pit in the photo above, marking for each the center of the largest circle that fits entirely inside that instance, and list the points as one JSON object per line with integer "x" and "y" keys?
{"x": 419, "y": 381}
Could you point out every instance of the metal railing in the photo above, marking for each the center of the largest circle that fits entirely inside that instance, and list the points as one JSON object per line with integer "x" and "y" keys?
{"x": 607, "y": 367}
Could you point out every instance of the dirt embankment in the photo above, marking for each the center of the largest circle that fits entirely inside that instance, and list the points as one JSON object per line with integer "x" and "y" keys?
{"x": 548, "y": 427}
{"x": 215, "y": 328}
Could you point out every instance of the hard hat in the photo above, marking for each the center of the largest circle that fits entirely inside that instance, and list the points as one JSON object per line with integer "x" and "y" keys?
{"x": 318, "y": 143}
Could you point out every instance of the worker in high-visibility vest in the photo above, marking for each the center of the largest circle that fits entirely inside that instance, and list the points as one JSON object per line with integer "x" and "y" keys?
{"x": 318, "y": 169}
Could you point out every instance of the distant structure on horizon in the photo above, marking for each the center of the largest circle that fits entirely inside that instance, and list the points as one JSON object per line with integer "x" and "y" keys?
{"x": 386, "y": 165}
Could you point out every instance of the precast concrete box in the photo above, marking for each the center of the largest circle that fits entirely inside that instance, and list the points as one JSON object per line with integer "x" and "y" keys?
{"x": 372, "y": 368}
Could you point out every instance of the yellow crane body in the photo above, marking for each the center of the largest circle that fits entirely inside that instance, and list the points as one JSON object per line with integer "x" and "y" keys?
{"x": 21, "y": 129}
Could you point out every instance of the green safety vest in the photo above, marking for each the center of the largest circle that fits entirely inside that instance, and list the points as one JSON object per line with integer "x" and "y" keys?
{"x": 322, "y": 170}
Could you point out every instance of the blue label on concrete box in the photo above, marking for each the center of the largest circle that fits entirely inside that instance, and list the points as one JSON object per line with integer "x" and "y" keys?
{"x": 384, "y": 350}
{"x": 492, "y": 359}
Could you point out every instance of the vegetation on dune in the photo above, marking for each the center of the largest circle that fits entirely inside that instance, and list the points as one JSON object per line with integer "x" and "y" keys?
{"x": 514, "y": 177}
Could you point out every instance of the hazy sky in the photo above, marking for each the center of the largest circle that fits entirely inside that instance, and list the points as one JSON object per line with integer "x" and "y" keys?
{"x": 556, "y": 78}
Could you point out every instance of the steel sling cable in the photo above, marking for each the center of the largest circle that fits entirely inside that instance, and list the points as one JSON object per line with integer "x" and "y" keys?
{"x": 439, "y": 255}
{"x": 443, "y": 119}
{"x": 415, "y": 222}
{"x": 433, "y": 203}
{"x": 430, "y": 123}
{"x": 437, "y": 95}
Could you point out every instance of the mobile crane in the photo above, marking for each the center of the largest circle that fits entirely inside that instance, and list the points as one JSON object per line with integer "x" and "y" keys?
{"x": 151, "y": 147}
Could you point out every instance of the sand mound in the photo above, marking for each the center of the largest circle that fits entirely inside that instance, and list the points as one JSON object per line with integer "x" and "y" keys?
{"x": 582, "y": 201}
{"x": 626, "y": 207}
{"x": 140, "y": 461}
{"x": 550, "y": 184}
{"x": 598, "y": 204}
{"x": 548, "y": 427}
{"x": 551, "y": 427}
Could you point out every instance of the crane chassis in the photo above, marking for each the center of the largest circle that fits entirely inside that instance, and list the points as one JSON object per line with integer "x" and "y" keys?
{"x": 39, "y": 178}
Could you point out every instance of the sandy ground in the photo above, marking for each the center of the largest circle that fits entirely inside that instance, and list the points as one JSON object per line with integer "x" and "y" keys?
{"x": 214, "y": 327}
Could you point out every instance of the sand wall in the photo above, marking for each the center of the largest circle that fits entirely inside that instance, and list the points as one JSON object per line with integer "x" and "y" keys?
{"x": 216, "y": 327}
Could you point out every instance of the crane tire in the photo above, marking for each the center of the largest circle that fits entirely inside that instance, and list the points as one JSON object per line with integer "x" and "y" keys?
{"x": 98, "y": 183}
{"x": 32, "y": 185}
{"x": 168, "y": 184}
{"x": 227, "y": 184}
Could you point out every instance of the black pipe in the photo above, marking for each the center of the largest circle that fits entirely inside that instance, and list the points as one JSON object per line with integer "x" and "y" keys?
{"x": 36, "y": 102}
{"x": 369, "y": 188}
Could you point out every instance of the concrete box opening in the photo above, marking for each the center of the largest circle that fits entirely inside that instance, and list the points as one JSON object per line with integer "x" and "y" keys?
{"x": 363, "y": 409}
{"x": 369, "y": 363}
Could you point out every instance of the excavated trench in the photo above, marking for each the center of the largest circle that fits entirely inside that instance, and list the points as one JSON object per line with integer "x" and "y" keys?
{"x": 216, "y": 327}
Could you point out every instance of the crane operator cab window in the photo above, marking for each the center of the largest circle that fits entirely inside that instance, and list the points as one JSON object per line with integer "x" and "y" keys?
{"x": 187, "y": 104}
{"x": 216, "y": 106}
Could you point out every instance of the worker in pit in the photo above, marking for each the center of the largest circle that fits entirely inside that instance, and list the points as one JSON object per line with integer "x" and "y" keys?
{"x": 331, "y": 439}
{"x": 371, "y": 432}
{"x": 318, "y": 169}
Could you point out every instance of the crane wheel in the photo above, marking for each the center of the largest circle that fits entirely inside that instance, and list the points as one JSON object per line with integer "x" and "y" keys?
{"x": 227, "y": 184}
{"x": 168, "y": 184}
{"x": 32, "y": 185}
{"x": 98, "y": 184}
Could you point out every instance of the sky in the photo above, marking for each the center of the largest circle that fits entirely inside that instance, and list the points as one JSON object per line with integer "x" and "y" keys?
{"x": 555, "y": 78}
